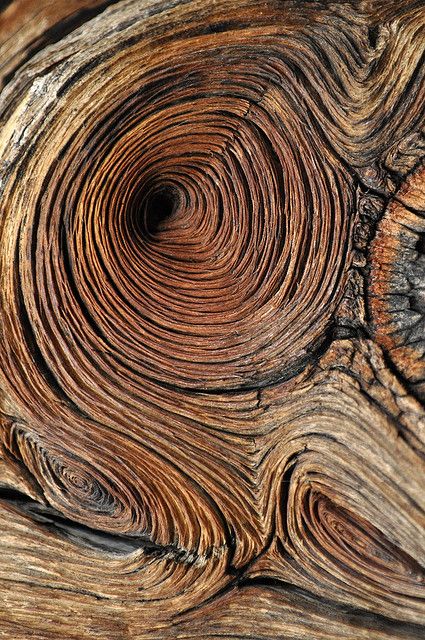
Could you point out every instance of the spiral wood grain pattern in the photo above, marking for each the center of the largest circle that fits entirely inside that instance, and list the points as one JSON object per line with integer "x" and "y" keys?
{"x": 213, "y": 319}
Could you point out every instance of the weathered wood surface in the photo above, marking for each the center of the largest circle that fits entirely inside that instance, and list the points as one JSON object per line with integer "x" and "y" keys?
{"x": 213, "y": 319}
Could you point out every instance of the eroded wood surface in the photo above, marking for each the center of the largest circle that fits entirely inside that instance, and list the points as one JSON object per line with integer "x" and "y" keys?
{"x": 213, "y": 319}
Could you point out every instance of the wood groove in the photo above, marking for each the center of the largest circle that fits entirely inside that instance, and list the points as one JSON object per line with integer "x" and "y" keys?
{"x": 212, "y": 333}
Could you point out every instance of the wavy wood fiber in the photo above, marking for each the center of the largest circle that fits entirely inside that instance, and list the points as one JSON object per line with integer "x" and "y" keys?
{"x": 213, "y": 319}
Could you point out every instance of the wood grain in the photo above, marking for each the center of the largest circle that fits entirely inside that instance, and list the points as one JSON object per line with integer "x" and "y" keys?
{"x": 212, "y": 341}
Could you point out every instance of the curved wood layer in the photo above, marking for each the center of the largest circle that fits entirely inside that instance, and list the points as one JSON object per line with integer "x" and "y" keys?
{"x": 211, "y": 344}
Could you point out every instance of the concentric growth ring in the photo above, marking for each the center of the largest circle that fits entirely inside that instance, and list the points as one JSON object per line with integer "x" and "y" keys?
{"x": 191, "y": 218}
{"x": 183, "y": 228}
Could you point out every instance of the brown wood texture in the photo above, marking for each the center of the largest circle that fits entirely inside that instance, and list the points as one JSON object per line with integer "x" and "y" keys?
{"x": 212, "y": 371}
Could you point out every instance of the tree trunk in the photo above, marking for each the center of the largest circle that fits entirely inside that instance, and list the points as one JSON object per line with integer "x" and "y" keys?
{"x": 213, "y": 319}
